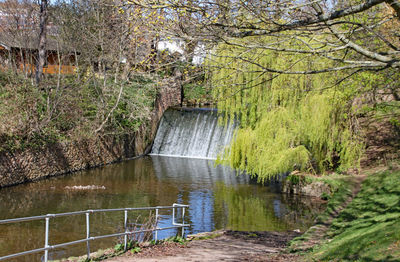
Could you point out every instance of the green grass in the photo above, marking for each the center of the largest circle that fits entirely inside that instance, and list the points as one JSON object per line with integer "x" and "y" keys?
{"x": 197, "y": 93}
{"x": 341, "y": 188}
{"x": 368, "y": 229}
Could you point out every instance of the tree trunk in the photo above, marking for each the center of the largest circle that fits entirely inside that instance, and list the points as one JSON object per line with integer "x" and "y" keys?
{"x": 179, "y": 82}
{"x": 42, "y": 41}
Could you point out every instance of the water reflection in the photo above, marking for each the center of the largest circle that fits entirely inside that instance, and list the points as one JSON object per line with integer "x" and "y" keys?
{"x": 218, "y": 198}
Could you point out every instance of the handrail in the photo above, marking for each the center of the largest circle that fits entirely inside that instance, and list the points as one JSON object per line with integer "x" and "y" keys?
{"x": 89, "y": 238}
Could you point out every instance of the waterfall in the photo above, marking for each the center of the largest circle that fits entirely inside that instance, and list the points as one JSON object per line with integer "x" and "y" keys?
{"x": 192, "y": 133}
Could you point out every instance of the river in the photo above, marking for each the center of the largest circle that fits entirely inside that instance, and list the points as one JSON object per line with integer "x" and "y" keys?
{"x": 218, "y": 198}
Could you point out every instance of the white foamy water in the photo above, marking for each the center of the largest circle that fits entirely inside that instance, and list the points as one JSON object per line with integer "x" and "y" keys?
{"x": 191, "y": 134}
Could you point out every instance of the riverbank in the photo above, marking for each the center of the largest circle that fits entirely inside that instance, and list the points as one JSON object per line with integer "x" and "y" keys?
{"x": 368, "y": 228}
{"x": 361, "y": 222}
{"x": 62, "y": 157}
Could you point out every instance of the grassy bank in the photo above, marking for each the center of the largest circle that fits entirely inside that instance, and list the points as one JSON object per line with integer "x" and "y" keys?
{"x": 368, "y": 229}
{"x": 342, "y": 188}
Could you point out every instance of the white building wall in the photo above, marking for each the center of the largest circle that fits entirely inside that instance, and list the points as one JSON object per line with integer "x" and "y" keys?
{"x": 178, "y": 46}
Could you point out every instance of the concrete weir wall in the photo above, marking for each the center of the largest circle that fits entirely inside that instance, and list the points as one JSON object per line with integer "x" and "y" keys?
{"x": 61, "y": 158}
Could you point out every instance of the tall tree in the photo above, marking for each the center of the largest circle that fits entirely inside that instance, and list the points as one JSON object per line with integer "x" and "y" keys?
{"x": 291, "y": 71}
{"x": 42, "y": 56}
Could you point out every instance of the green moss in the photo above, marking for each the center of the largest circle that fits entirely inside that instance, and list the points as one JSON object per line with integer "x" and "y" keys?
{"x": 294, "y": 179}
{"x": 336, "y": 181}
{"x": 300, "y": 179}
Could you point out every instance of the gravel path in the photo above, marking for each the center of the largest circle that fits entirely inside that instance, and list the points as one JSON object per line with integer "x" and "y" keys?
{"x": 228, "y": 246}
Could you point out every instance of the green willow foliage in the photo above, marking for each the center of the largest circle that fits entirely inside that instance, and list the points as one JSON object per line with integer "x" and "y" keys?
{"x": 287, "y": 122}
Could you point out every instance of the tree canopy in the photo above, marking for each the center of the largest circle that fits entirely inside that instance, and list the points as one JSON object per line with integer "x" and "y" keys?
{"x": 297, "y": 74}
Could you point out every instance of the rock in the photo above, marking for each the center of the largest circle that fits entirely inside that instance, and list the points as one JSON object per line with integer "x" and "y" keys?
{"x": 206, "y": 235}
{"x": 90, "y": 187}
{"x": 299, "y": 186}
{"x": 316, "y": 189}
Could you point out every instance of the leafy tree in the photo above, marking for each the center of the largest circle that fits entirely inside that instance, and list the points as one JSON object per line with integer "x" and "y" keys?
{"x": 296, "y": 73}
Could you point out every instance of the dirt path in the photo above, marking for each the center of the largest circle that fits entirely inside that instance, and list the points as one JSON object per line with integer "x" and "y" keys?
{"x": 228, "y": 246}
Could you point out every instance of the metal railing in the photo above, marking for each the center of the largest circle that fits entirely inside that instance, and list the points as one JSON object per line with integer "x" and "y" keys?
{"x": 89, "y": 238}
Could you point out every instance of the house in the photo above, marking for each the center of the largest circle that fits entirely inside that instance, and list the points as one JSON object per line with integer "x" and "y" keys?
{"x": 178, "y": 46}
{"x": 19, "y": 41}
{"x": 19, "y": 51}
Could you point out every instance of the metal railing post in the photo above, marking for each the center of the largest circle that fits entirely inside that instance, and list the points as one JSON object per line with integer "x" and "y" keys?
{"x": 126, "y": 229}
{"x": 87, "y": 235}
{"x": 173, "y": 213}
{"x": 183, "y": 221}
{"x": 47, "y": 247}
{"x": 46, "y": 239}
{"x": 156, "y": 234}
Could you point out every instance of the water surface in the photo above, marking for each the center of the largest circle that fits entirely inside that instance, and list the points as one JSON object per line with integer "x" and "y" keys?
{"x": 218, "y": 198}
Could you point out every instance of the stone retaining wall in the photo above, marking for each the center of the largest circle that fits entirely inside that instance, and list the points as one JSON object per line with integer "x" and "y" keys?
{"x": 60, "y": 158}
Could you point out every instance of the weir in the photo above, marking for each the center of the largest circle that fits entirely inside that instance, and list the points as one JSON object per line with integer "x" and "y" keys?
{"x": 191, "y": 133}
{"x": 218, "y": 197}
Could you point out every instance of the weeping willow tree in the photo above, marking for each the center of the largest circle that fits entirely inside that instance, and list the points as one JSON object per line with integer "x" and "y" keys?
{"x": 287, "y": 121}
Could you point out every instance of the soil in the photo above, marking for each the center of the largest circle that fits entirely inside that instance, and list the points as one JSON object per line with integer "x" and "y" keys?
{"x": 224, "y": 246}
{"x": 382, "y": 141}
